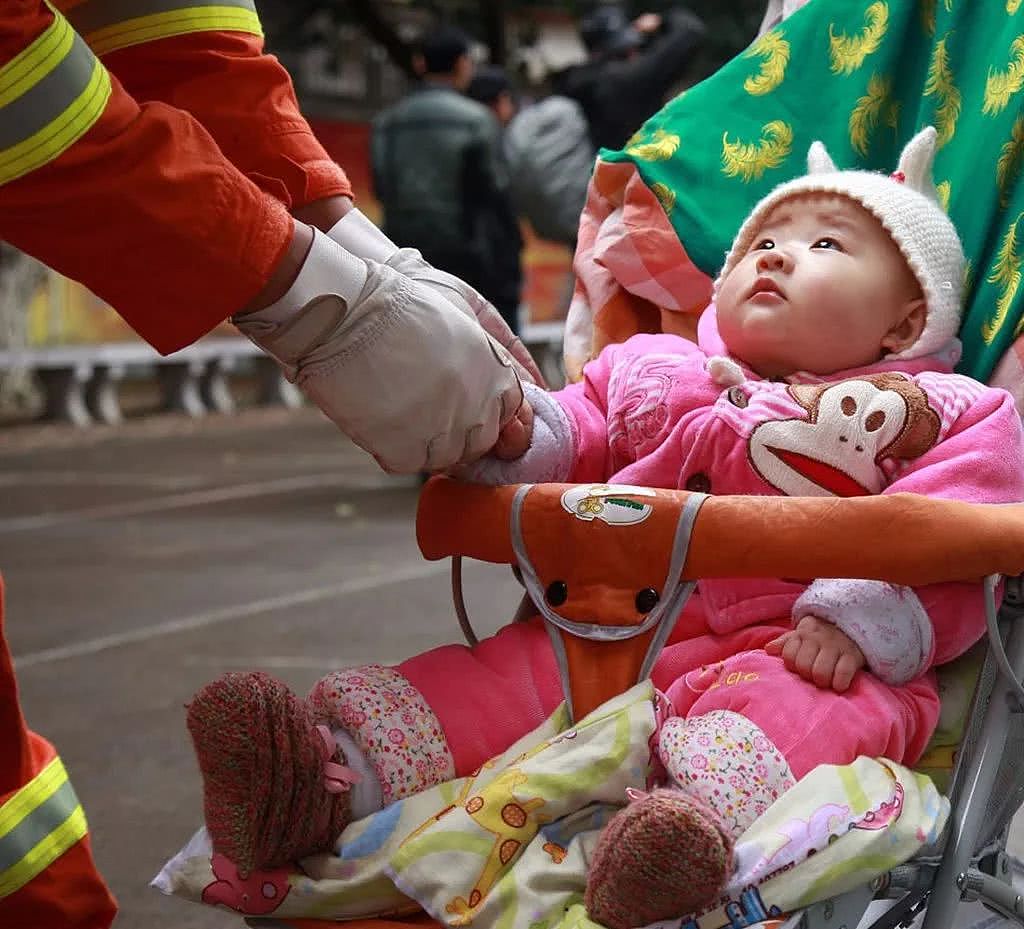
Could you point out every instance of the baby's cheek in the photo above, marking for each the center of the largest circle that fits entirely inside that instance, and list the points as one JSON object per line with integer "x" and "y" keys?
{"x": 728, "y": 316}
{"x": 729, "y": 291}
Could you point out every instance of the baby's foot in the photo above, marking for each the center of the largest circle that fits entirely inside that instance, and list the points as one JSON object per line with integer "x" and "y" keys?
{"x": 272, "y": 789}
{"x": 662, "y": 857}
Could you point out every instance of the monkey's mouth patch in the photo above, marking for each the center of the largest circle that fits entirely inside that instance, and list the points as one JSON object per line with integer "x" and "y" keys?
{"x": 826, "y": 476}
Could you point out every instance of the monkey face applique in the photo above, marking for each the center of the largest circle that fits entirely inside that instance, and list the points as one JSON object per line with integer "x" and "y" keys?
{"x": 850, "y": 428}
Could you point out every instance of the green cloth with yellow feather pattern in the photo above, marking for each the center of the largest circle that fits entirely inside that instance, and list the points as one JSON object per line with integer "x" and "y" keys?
{"x": 863, "y": 76}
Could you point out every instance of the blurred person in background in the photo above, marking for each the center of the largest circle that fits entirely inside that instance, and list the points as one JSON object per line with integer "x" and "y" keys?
{"x": 777, "y": 11}
{"x": 492, "y": 206}
{"x": 438, "y": 171}
{"x": 550, "y": 159}
{"x": 631, "y": 68}
{"x": 491, "y": 87}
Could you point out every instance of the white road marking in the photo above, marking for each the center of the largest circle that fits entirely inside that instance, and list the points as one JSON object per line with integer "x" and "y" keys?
{"x": 185, "y": 500}
{"x": 408, "y": 572}
{"x": 294, "y": 461}
{"x": 105, "y": 479}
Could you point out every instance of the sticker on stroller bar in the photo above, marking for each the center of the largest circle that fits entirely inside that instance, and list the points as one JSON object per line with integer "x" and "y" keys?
{"x": 611, "y": 503}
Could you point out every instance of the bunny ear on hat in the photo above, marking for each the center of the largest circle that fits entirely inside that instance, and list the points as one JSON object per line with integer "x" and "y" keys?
{"x": 819, "y": 161}
{"x": 914, "y": 168}
{"x": 915, "y": 165}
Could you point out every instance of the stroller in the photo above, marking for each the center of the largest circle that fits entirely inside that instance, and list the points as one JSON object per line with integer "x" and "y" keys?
{"x": 883, "y": 59}
{"x": 959, "y": 856}
{"x": 706, "y": 537}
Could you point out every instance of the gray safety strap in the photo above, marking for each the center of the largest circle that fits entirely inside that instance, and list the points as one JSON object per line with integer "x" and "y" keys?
{"x": 596, "y": 631}
{"x": 662, "y": 616}
{"x": 996, "y": 640}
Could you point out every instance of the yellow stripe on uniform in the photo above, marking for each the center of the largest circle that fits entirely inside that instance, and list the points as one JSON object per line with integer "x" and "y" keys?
{"x": 37, "y": 825}
{"x": 39, "y": 858}
{"x": 52, "y": 140}
{"x": 105, "y": 37}
{"x": 32, "y": 64}
{"x": 36, "y": 791}
{"x": 51, "y": 93}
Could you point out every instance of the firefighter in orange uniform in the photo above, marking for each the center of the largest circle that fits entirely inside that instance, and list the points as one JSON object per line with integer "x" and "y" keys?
{"x": 151, "y": 151}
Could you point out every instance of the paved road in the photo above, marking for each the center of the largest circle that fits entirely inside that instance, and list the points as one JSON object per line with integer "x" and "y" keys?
{"x": 141, "y": 562}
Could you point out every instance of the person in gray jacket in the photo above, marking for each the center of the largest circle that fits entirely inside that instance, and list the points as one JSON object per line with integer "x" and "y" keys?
{"x": 550, "y": 159}
{"x": 437, "y": 168}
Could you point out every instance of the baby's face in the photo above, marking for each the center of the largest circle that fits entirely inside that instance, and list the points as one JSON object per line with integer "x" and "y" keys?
{"x": 821, "y": 290}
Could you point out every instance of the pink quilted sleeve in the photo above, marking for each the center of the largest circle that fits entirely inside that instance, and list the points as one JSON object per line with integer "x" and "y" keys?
{"x": 586, "y": 406}
{"x": 980, "y": 460}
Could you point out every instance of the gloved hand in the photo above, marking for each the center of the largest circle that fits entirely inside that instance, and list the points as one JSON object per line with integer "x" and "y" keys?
{"x": 408, "y": 375}
{"x": 357, "y": 234}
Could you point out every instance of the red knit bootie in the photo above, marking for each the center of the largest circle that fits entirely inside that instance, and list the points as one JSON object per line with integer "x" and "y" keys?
{"x": 266, "y": 796}
{"x": 662, "y": 857}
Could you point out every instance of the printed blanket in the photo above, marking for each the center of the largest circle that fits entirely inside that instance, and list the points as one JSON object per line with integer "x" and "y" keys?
{"x": 507, "y": 847}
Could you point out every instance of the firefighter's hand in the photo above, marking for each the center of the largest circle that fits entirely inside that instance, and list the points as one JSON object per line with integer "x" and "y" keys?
{"x": 410, "y": 262}
{"x": 355, "y": 233}
{"x": 407, "y": 374}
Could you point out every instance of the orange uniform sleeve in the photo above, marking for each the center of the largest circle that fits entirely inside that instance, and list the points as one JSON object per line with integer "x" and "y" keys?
{"x": 243, "y": 97}
{"x": 137, "y": 202}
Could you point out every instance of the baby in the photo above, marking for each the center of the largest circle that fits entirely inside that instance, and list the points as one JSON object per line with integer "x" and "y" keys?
{"x": 823, "y": 368}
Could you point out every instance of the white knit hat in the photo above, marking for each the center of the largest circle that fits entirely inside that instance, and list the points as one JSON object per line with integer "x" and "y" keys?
{"x": 907, "y": 205}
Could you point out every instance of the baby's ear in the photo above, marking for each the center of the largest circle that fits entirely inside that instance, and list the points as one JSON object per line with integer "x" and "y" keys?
{"x": 909, "y": 327}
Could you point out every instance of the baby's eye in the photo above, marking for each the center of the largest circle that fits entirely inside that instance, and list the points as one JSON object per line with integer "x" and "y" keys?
{"x": 827, "y": 242}
{"x": 764, "y": 245}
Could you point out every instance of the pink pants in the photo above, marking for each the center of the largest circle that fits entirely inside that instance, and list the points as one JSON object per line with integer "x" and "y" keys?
{"x": 487, "y": 697}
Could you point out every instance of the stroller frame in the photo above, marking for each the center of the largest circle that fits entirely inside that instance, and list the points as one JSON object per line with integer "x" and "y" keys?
{"x": 969, "y": 862}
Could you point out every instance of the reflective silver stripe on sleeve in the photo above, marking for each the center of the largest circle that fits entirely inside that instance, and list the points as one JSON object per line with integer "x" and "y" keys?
{"x": 51, "y": 94}
{"x": 93, "y": 15}
{"x": 45, "y": 101}
{"x": 37, "y": 825}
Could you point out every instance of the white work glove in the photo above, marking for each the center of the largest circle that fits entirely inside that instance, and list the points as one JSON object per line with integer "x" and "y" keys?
{"x": 356, "y": 234}
{"x": 409, "y": 376}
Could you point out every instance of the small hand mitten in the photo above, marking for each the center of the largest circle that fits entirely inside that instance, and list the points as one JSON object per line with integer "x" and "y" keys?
{"x": 268, "y": 793}
{"x": 662, "y": 857}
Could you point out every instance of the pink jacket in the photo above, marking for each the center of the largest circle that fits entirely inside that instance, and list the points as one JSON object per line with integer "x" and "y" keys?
{"x": 661, "y": 411}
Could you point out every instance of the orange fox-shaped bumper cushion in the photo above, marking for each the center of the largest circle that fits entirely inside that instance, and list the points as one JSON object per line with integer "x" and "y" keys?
{"x": 607, "y": 566}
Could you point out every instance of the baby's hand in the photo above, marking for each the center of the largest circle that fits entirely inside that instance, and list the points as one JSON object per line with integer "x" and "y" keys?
{"x": 515, "y": 436}
{"x": 819, "y": 652}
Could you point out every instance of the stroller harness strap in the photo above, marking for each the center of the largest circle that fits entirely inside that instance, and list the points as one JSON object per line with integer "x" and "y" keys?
{"x": 589, "y": 673}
